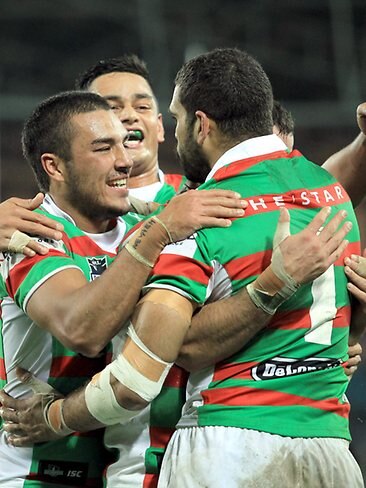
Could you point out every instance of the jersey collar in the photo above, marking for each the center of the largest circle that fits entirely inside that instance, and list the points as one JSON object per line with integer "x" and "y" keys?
{"x": 250, "y": 148}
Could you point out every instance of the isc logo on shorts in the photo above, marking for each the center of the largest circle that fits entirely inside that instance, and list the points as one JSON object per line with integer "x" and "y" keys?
{"x": 63, "y": 472}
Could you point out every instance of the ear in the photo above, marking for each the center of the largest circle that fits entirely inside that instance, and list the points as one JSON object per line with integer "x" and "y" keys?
{"x": 161, "y": 131}
{"x": 204, "y": 126}
{"x": 53, "y": 166}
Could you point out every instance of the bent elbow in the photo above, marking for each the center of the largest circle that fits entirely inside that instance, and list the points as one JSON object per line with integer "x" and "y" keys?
{"x": 189, "y": 362}
{"x": 79, "y": 343}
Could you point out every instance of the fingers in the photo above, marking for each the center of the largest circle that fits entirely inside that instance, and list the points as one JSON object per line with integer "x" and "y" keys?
{"x": 220, "y": 211}
{"x": 283, "y": 227}
{"x": 319, "y": 219}
{"x": 337, "y": 253}
{"x": 219, "y": 194}
{"x": 9, "y": 415}
{"x": 37, "y": 224}
{"x": 37, "y": 385}
{"x": 33, "y": 248}
{"x": 357, "y": 264}
{"x": 333, "y": 239}
{"x": 361, "y": 117}
{"x": 355, "y": 350}
{"x": 354, "y": 353}
{"x": 16, "y": 441}
{"x": 330, "y": 229}
{"x": 7, "y": 401}
{"x": 355, "y": 286}
{"x": 357, "y": 281}
{"x": 221, "y": 198}
{"x": 36, "y": 201}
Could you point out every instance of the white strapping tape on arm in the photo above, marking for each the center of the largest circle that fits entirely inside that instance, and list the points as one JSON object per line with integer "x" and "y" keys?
{"x": 135, "y": 380}
{"x": 99, "y": 396}
{"x": 101, "y": 402}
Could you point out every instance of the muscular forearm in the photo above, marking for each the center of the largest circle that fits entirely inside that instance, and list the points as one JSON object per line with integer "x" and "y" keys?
{"x": 349, "y": 167}
{"x": 87, "y": 316}
{"x": 221, "y": 329}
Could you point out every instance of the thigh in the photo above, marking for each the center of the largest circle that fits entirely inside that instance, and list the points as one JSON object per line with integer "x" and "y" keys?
{"x": 328, "y": 463}
{"x": 213, "y": 457}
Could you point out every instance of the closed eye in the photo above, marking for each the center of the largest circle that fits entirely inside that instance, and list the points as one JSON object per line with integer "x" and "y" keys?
{"x": 103, "y": 149}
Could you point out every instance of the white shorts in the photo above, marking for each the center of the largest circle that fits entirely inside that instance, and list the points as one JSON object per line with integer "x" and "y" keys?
{"x": 229, "y": 457}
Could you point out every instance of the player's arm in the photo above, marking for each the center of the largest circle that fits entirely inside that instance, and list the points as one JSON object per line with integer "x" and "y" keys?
{"x": 122, "y": 389}
{"x": 349, "y": 164}
{"x": 221, "y": 329}
{"x": 85, "y": 316}
{"x": 17, "y": 219}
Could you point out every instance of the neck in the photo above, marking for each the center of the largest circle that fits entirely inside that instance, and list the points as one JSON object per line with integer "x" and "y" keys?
{"x": 83, "y": 222}
{"x": 146, "y": 178}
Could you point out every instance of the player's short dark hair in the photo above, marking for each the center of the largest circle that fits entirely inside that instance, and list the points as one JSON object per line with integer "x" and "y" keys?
{"x": 127, "y": 63}
{"x": 49, "y": 129}
{"x": 231, "y": 87}
{"x": 283, "y": 119}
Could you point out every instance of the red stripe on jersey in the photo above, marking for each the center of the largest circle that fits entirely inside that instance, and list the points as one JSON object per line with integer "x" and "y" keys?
{"x": 238, "y": 167}
{"x": 177, "y": 377}
{"x": 160, "y": 436}
{"x": 247, "y": 397}
{"x": 20, "y": 270}
{"x": 150, "y": 481}
{"x": 84, "y": 246}
{"x": 76, "y": 366}
{"x": 174, "y": 180}
{"x": 2, "y": 370}
{"x": 176, "y": 265}
{"x": 239, "y": 370}
{"x": 300, "y": 319}
{"x": 352, "y": 248}
{"x": 132, "y": 230}
{"x": 246, "y": 266}
{"x": 325, "y": 196}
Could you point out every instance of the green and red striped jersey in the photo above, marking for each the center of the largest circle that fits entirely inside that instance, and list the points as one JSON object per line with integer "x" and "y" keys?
{"x": 79, "y": 459}
{"x": 161, "y": 191}
{"x": 289, "y": 379}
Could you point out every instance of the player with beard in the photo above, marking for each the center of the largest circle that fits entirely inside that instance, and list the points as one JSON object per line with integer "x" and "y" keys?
{"x": 226, "y": 143}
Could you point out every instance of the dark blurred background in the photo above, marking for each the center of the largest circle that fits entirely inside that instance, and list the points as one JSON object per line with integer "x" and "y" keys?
{"x": 314, "y": 52}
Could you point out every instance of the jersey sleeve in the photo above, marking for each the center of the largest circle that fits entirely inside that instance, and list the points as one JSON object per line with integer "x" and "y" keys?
{"x": 23, "y": 275}
{"x": 183, "y": 267}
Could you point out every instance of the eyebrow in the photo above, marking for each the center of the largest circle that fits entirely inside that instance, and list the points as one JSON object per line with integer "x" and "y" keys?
{"x": 136, "y": 96}
{"x": 103, "y": 140}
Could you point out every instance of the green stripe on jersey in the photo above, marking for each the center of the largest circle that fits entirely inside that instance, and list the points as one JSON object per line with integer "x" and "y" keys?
{"x": 310, "y": 341}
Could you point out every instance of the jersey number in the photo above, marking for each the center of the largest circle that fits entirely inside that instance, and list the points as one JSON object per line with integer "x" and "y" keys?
{"x": 323, "y": 310}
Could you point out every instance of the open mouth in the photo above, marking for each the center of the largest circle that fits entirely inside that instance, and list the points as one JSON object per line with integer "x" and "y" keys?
{"x": 121, "y": 183}
{"x": 135, "y": 137}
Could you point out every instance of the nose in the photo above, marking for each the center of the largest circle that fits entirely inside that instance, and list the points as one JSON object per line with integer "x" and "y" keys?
{"x": 122, "y": 158}
{"x": 128, "y": 114}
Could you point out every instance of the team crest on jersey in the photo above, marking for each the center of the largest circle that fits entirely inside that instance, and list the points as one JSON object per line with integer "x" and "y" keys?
{"x": 97, "y": 266}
